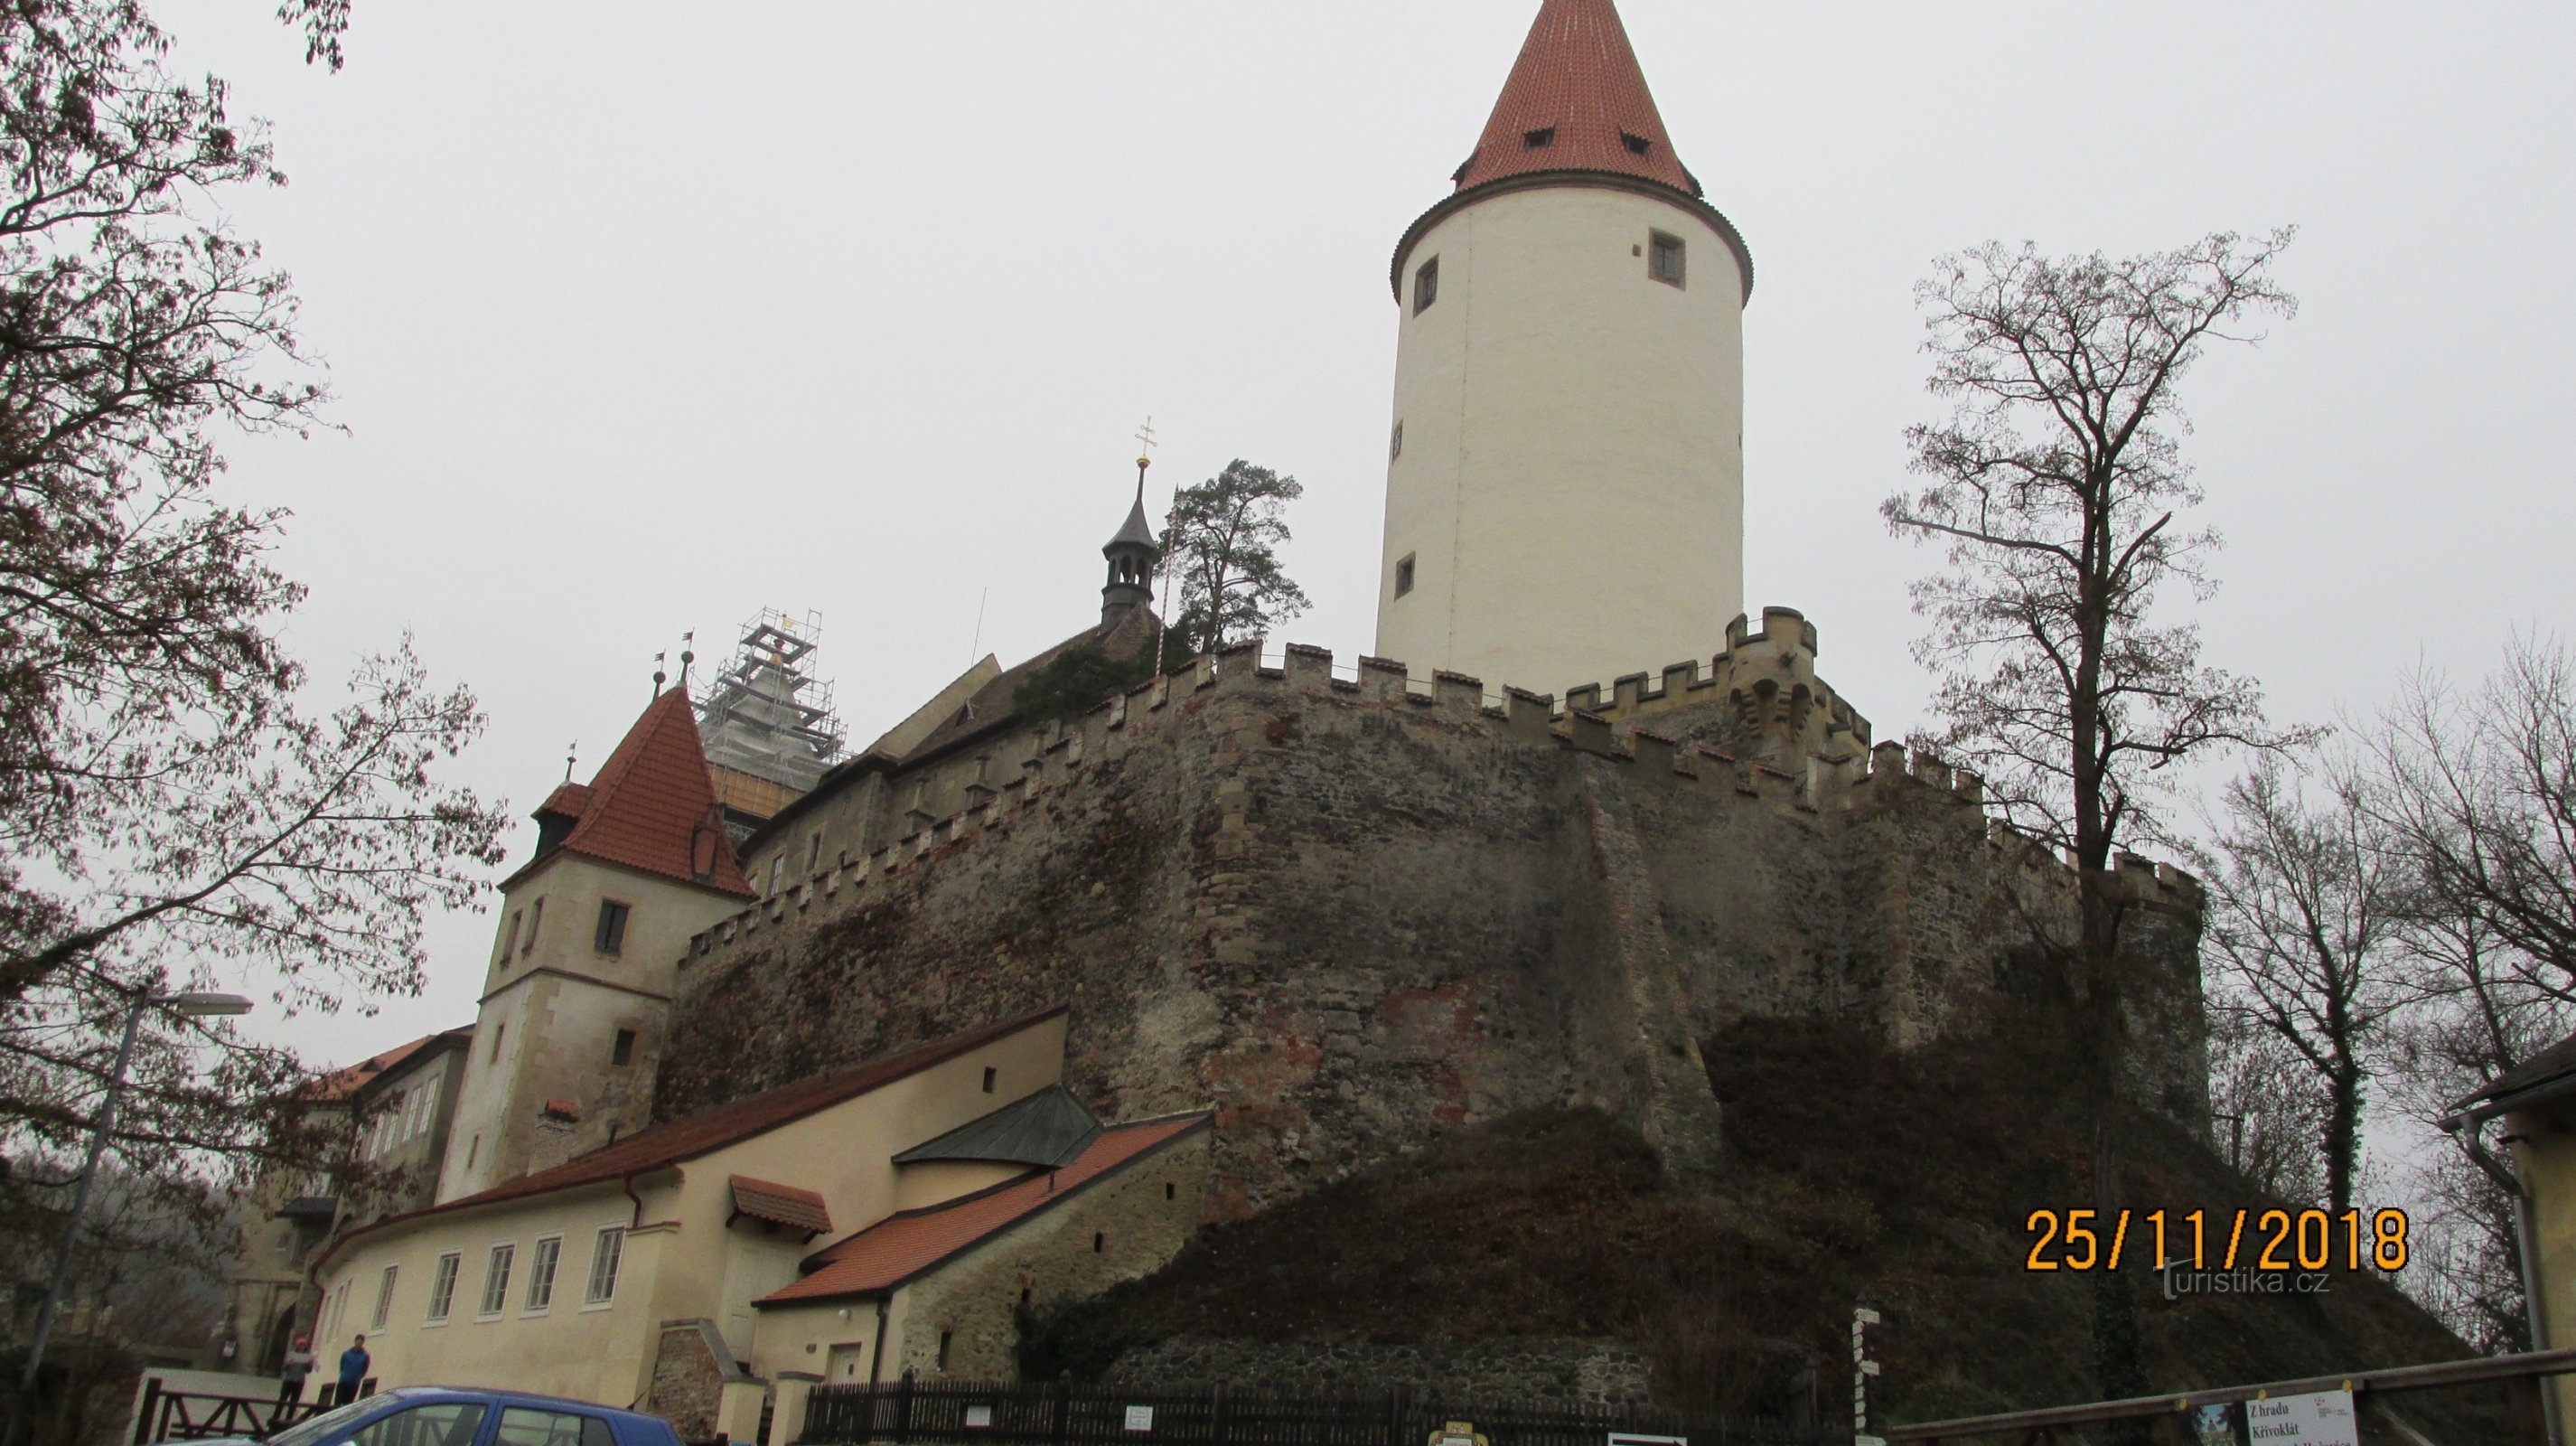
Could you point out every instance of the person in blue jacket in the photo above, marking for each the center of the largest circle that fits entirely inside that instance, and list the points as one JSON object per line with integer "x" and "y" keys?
{"x": 353, "y": 1369}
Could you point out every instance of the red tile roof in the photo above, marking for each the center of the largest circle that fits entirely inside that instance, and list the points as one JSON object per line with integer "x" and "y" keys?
{"x": 652, "y": 806}
{"x": 1578, "y": 80}
{"x": 572, "y": 800}
{"x": 901, "y": 1247}
{"x": 339, "y": 1084}
{"x": 709, "y": 1130}
{"x": 782, "y": 1204}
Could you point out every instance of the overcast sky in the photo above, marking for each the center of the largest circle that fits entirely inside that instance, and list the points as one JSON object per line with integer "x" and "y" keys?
{"x": 646, "y": 316}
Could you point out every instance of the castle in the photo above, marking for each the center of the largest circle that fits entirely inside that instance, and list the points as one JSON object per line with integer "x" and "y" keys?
{"x": 1255, "y": 923}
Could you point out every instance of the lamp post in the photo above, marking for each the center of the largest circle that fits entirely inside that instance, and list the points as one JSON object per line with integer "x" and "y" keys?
{"x": 195, "y": 1004}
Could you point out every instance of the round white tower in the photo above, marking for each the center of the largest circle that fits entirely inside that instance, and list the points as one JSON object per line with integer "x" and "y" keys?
{"x": 1565, "y": 477}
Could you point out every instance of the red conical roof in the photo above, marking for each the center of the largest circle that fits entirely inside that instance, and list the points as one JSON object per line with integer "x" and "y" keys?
{"x": 1576, "y": 101}
{"x": 652, "y": 807}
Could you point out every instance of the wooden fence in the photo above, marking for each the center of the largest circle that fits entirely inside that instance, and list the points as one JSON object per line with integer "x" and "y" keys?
{"x": 191, "y": 1416}
{"x": 1067, "y": 1415}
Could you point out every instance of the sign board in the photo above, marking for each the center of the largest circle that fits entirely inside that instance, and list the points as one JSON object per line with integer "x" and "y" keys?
{"x": 1458, "y": 1433}
{"x": 1140, "y": 1418}
{"x": 2324, "y": 1419}
{"x": 1623, "y": 1438}
{"x": 978, "y": 1417}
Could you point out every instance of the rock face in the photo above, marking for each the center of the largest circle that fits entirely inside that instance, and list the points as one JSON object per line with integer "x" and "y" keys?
{"x": 1349, "y": 911}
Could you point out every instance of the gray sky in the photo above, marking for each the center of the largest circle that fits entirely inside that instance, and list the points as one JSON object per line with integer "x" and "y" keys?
{"x": 643, "y": 320}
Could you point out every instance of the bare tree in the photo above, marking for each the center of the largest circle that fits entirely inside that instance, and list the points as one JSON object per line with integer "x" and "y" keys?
{"x": 2301, "y": 914}
{"x": 2475, "y": 794}
{"x": 2268, "y": 1134}
{"x": 1223, "y": 545}
{"x": 2056, "y": 487}
{"x": 174, "y": 812}
{"x": 2479, "y": 794}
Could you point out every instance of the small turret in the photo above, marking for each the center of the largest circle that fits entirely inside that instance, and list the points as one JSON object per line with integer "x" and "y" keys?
{"x": 1133, "y": 555}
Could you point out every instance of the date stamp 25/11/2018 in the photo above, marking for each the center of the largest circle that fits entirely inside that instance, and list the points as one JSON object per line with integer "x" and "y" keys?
{"x": 2279, "y": 1242}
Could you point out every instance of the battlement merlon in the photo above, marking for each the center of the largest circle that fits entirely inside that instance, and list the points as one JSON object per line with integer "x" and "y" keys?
{"x": 950, "y": 800}
{"x": 1761, "y": 695}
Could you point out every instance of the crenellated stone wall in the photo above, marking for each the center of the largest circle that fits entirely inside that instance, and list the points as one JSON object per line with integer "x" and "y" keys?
{"x": 1347, "y": 911}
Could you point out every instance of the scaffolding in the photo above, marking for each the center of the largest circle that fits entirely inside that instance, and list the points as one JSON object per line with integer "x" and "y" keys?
{"x": 765, "y": 714}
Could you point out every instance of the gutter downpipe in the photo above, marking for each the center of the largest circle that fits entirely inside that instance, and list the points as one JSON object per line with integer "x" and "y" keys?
{"x": 876, "y": 1354}
{"x": 2527, "y": 1245}
{"x": 626, "y": 1182}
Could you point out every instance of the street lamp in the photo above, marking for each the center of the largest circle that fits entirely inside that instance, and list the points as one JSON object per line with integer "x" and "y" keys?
{"x": 193, "y": 1004}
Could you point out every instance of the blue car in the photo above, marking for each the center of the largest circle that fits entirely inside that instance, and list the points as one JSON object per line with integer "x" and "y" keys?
{"x": 461, "y": 1416}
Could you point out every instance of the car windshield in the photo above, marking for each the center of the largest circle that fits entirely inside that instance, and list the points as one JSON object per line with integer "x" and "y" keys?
{"x": 306, "y": 1432}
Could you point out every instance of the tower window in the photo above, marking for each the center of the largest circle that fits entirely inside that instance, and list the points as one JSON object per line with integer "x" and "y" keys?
{"x": 1426, "y": 286}
{"x": 510, "y": 940}
{"x": 943, "y": 1350}
{"x": 536, "y": 916}
{"x": 1637, "y": 145}
{"x": 611, "y": 937}
{"x": 991, "y": 1075}
{"x": 1538, "y": 140}
{"x": 497, "y": 1031}
{"x": 1664, "y": 258}
{"x": 1404, "y": 575}
{"x": 623, "y": 1051}
{"x": 1395, "y": 443}
{"x": 813, "y": 851}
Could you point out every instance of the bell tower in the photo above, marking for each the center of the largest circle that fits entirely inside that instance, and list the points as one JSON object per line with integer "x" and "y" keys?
{"x": 1565, "y": 474}
{"x": 1133, "y": 554}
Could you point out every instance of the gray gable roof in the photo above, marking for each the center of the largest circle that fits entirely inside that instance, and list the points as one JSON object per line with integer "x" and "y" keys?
{"x": 1049, "y": 1129}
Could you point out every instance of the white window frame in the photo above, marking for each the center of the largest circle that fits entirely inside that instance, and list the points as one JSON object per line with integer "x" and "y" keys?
{"x": 542, "y": 1267}
{"x": 385, "y": 1295}
{"x": 485, "y": 1307}
{"x": 600, "y": 1237}
{"x": 451, "y": 1264}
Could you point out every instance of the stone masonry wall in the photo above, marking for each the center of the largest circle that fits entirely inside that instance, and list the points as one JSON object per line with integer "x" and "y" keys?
{"x": 1126, "y": 1225}
{"x": 689, "y": 1373}
{"x": 1345, "y": 914}
{"x": 1480, "y": 1373}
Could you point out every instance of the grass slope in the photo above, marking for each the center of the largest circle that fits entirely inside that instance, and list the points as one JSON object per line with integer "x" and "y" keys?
{"x": 1854, "y": 1174}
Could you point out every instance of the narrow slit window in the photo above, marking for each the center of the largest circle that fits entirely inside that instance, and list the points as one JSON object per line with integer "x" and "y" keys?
{"x": 1426, "y": 285}
{"x": 1099, "y": 1242}
{"x": 1538, "y": 140}
{"x": 1664, "y": 258}
{"x": 497, "y": 1031}
{"x": 1395, "y": 443}
{"x": 623, "y": 1051}
{"x": 1404, "y": 575}
{"x": 611, "y": 937}
{"x": 536, "y": 916}
{"x": 943, "y": 1350}
{"x": 992, "y": 1076}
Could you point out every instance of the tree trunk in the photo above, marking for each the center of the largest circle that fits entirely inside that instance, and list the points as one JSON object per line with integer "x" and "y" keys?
{"x": 2343, "y": 1137}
